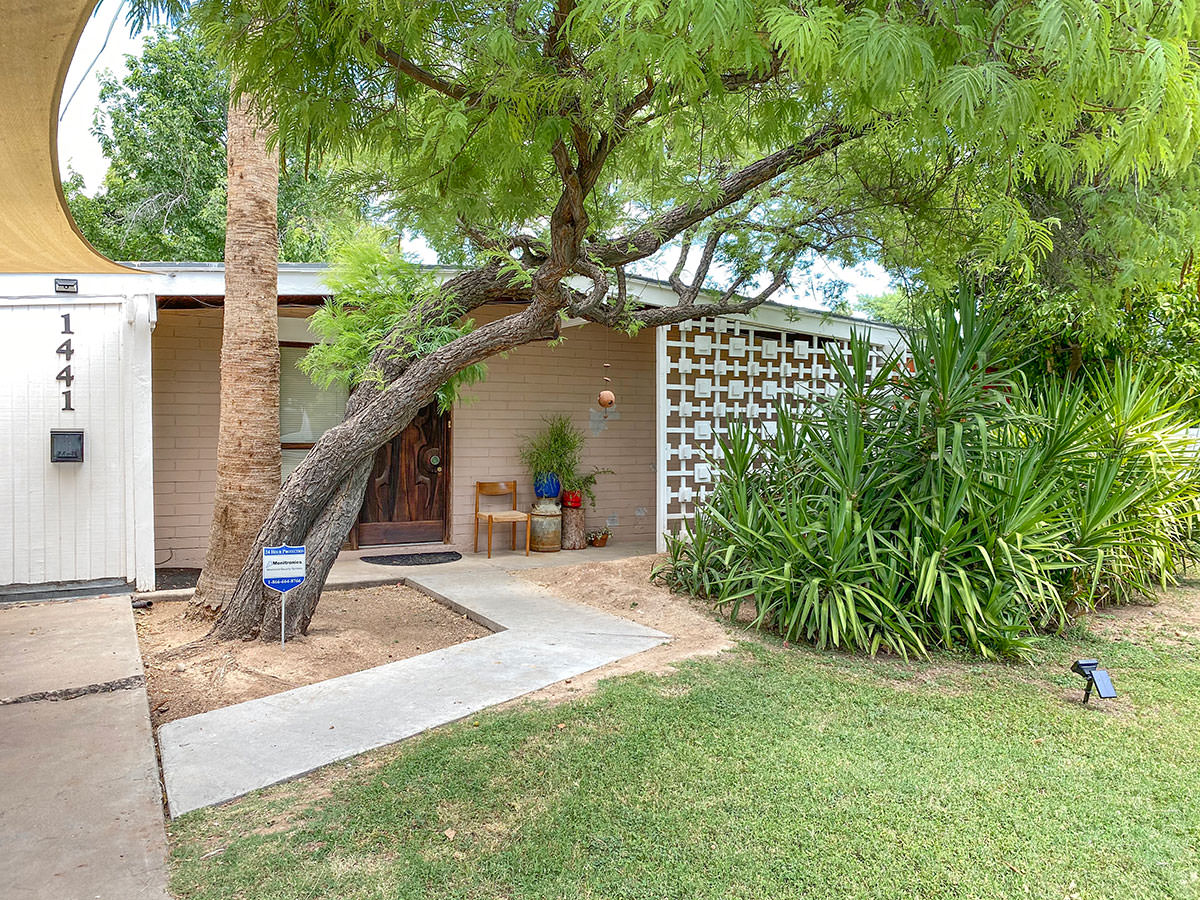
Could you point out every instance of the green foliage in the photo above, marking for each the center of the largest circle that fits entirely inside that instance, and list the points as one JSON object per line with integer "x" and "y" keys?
{"x": 555, "y": 449}
{"x": 947, "y": 506}
{"x": 450, "y": 113}
{"x": 1120, "y": 281}
{"x": 897, "y": 307}
{"x": 1063, "y": 332}
{"x": 377, "y": 293}
{"x": 584, "y": 482}
{"x": 162, "y": 128}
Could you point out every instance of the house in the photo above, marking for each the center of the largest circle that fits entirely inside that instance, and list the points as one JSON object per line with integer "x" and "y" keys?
{"x": 123, "y": 366}
{"x": 110, "y": 379}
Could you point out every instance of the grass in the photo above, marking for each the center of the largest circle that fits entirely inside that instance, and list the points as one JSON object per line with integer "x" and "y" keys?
{"x": 767, "y": 773}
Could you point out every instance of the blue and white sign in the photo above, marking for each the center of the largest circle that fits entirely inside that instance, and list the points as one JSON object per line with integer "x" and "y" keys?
{"x": 283, "y": 567}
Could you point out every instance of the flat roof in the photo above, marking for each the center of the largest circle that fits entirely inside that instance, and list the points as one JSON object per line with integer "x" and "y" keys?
{"x": 303, "y": 284}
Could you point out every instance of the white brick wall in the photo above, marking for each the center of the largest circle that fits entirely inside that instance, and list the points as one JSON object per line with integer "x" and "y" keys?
{"x": 186, "y": 358}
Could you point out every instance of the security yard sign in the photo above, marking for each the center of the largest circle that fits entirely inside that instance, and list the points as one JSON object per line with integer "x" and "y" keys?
{"x": 283, "y": 569}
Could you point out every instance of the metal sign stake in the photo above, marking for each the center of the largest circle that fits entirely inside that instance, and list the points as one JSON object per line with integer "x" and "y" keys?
{"x": 283, "y": 568}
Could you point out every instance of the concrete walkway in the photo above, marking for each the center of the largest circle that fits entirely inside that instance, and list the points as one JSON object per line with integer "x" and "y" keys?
{"x": 540, "y": 640}
{"x": 81, "y": 813}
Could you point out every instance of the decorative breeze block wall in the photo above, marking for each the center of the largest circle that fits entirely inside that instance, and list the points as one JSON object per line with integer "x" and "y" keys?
{"x": 719, "y": 371}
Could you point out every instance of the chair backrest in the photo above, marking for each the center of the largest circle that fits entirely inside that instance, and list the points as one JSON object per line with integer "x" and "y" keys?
{"x": 495, "y": 489}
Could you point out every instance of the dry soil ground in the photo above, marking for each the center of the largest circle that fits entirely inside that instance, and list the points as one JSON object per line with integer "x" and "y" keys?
{"x": 1176, "y": 615}
{"x": 623, "y": 588}
{"x": 353, "y": 630}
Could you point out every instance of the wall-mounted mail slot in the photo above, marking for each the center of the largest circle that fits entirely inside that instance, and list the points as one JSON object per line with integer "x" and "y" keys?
{"x": 66, "y": 446}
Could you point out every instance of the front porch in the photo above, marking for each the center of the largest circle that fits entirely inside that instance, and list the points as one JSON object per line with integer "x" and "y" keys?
{"x": 351, "y": 571}
{"x": 423, "y": 487}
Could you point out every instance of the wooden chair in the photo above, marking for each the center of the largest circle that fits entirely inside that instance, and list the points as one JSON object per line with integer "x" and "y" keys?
{"x": 513, "y": 516}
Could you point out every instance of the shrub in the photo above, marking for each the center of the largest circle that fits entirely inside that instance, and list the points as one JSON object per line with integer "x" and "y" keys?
{"x": 947, "y": 506}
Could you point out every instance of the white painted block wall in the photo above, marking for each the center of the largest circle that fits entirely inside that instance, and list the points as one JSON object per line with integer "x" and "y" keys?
{"x": 75, "y": 522}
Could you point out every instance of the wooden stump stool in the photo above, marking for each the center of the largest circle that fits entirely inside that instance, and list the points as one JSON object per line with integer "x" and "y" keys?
{"x": 574, "y": 529}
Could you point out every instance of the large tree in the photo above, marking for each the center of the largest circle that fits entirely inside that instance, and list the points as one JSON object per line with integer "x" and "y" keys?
{"x": 161, "y": 125}
{"x": 551, "y": 144}
{"x": 248, "y": 451}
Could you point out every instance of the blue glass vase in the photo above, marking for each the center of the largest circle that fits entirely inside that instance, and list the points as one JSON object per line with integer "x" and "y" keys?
{"x": 546, "y": 485}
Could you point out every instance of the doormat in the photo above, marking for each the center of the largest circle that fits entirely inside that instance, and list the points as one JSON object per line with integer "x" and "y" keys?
{"x": 413, "y": 559}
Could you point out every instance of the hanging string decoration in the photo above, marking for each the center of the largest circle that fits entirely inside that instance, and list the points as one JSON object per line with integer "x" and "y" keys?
{"x": 607, "y": 398}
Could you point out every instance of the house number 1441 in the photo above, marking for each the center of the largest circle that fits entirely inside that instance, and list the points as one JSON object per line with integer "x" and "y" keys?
{"x": 64, "y": 350}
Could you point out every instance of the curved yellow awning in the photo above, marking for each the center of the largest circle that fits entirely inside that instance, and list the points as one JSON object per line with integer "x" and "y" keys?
{"x": 37, "y": 41}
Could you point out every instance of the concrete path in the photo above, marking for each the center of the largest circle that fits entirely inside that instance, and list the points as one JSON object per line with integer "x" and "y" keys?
{"x": 540, "y": 639}
{"x": 81, "y": 810}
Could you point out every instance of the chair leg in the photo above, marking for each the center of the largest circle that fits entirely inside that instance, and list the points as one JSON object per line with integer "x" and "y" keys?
{"x": 477, "y": 534}
{"x": 514, "y": 536}
{"x": 489, "y": 537}
{"x": 528, "y": 527}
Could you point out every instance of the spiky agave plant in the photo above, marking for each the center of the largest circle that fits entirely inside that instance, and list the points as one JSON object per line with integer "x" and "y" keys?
{"x": 947, "y": 506}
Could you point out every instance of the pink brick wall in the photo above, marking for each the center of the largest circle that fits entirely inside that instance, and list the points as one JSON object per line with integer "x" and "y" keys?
{"x": 540, "y": 379}
{"x": 487, "y": 431}
{"x": 186, "y": 357}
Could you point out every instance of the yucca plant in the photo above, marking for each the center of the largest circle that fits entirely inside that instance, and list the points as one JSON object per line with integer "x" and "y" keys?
{"x": 947, "y": 505}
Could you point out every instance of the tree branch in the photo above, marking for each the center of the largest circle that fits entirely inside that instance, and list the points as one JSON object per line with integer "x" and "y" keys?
{"x": 650, "y": 237}
{"x": 728, "y": 304}
{"x": 406, "y": 66}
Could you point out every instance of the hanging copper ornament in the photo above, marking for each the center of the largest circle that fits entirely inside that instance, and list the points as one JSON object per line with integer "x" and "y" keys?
{"x": 607, "y": 399}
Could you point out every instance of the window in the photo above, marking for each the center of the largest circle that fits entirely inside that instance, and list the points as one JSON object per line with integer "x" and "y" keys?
{"x": 305, "y": 410}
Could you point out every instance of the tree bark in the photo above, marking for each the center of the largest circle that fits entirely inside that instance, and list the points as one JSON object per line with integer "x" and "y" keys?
{"x": 324, "y": 540}
{"x": 574, "y": 528}
{"x": 248, "y": 453}
{"x": 1076, "y": 362}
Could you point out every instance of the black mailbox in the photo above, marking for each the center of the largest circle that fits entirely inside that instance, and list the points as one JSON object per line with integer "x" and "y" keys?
{"x": 66, "y": 446}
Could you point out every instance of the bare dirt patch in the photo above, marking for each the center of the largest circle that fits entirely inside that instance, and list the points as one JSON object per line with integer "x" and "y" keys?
{"x": 1175, "y": 617}
{"x": 353, "y": 630}
{"x": 623, "y": 588}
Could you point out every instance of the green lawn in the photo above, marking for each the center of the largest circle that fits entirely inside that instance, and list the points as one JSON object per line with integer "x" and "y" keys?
{"x": 769, "y": 773}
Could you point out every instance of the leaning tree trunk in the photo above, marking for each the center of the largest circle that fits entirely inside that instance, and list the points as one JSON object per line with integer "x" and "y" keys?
{"x": 317, "y": 494}
{"x": 320, "y": 500}
{"x": 248, "y": 455}
{"x": 323, "y": 541}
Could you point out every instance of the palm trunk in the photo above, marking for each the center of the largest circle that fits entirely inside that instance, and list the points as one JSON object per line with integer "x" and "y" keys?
{"x": 248, "y": 455}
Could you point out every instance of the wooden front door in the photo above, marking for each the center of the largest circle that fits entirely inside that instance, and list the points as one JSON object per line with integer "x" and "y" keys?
{"x": 407, "y": 497}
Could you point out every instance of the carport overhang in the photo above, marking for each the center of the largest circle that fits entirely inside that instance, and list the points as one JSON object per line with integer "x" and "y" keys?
{"x": 37, "y": 234}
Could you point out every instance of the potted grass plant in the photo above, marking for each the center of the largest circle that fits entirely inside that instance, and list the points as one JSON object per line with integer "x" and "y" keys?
{"x": 551, "y": 454}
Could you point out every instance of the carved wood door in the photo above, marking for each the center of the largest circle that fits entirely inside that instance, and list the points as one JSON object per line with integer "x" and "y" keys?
{"x": 407, "y": 497}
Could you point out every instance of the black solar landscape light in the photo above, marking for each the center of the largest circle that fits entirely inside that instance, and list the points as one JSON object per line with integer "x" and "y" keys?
{"x": 1095, "y": 678}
